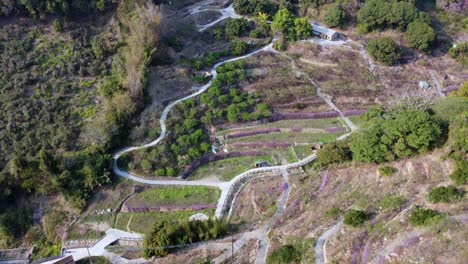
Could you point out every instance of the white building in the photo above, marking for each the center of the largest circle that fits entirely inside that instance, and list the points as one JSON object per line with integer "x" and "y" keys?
{"x": 324, "y": 32}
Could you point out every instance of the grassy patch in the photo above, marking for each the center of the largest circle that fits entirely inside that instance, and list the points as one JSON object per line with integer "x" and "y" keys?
{"x": 186, "y": 195}
{"x": 83, "y": 232}
{"x": 227, "y": 169}
{"x": 387, "y": 171}
{"x": 391, "y": 203}
{"x": 292, "y": 137}
{"x": 143, "y": 222}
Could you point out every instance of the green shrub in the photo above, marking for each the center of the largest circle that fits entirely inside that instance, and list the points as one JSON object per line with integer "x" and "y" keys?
{"x": 355, "y": 218}
{"x": 460, "y": 175}
{"x": 421, "y": 36}
{"x": 303, "y": 28}
{"x": 335, "y": 16}
{"x": 285, "y": 254}
{"x": 334, "y": 152}
{"x": 422, "y": 217}
{"x": 333, "y": 212}
{"x": 280, "y": 44}
{"x": 238, "y": 47}
{"x": 160, "y": 172}
{"x": 387, "y": 171}
{"x": 257, "y": 33}
{"x": 236, "y": 27}
{"x": 391, "y": 203}
{"x": 384, "y": 50}
{"x": 444, "y": 194}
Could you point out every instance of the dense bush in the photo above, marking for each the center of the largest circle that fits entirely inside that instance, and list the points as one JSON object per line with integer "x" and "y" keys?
{"x": 238, "y": 47}
{"x": 379, "y": 14}
{"x": 460, "y": 175}
{"x": 169, "y": 234}
{"x": 334, "y": 152}
{"x": 387, "y": 171}
{"x": 401, "y": 134}
{"x": 39, "y": 9}
{"x": 384, "y": 50}
{"x": 335, "y": 16}
{"x": 460, "y": 53}
{"x": 284, "y": 255}
{"x": 420, "y": 35}
{"x": 236, "y": 27}
{"x": 355, "y": 218}
{"x": 422, "y": 217}
{"x": 444, "y": 194}
{"x": 253, "y": 7}
{"x": 302, "y": 27}
{"x": 391, "y": 203}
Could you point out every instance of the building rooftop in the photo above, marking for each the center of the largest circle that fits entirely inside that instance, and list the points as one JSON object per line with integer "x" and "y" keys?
{"x": 322, "y": 30}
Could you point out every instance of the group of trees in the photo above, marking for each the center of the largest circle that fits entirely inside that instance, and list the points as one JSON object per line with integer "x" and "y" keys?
{"x": 253, "y": 7}
{"x": 293, "y": 28}
{"x": 389, "y": 135}
{"x": 403, "y": 15}
{"x": 335, "y": 16}
{"x": 40, "y": 9}
{"x": 167, "y": 233}
{"x": 395, "y": 135}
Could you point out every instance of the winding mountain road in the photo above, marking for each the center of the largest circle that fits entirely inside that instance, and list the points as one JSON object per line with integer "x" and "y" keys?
{"x": 227, "y": 188}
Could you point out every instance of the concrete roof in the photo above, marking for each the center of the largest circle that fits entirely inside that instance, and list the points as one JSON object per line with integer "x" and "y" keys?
{"x": 323, "y": 30}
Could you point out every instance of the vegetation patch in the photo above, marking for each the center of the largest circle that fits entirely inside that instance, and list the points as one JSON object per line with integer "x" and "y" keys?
{"x": 423, "y": 217}
{"x": 169, "y": 234}
{"x": 285, "y": 254}
{"x": 355, "y": 218}
{"x": 387, "y": 171}
{"x": 445, "y": 194}
{"x": 392, "y": 202}
{"x": 176, "y": 196}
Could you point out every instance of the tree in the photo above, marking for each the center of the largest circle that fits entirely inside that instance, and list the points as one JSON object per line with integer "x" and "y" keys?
{"x": 238, "y": 47}
{"x": 355, "y": 218}
{"x": 367, "y": 146}
{"x": 420, "y": 35}
{"x": 384, "y": 50}
{"x": 335, "y": 16}
{"x": 303, "y": 28}
{"x": 236, "y": 27}
{"x": 97, "y": 44}
{"x": 284, "y": 22}
{"x": 334, "y": 152}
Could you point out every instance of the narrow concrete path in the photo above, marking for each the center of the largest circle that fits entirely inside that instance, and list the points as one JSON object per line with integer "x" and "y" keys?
{"x": 320, "y": 251}
{"x": 437, "y": 84}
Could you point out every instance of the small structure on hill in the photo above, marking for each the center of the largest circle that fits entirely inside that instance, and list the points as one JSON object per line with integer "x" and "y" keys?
{"x": 324, "y": 32}
{"x": 424, "y": 85}
{"x": 259, "y": 164}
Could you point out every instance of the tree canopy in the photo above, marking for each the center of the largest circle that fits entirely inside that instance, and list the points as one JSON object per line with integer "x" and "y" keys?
{"x": 384, "y": 50}
{"x": 335, "y": 16}
{"x": 420, "y": 35}
{"x": 402, "y": 134}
